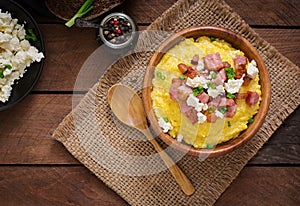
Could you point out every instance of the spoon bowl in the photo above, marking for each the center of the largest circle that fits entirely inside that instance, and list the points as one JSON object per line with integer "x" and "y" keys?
{"x": 128, "y": 108}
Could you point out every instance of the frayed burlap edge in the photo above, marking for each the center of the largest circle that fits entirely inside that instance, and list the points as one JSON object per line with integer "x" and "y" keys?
{"x": 278, "y": 110}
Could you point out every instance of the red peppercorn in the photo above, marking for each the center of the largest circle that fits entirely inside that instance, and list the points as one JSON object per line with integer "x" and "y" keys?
{"x": 116, "y": 22}
{"x": 118, "y": 31}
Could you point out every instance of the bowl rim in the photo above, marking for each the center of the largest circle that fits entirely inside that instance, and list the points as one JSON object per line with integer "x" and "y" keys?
{"x": 237, "y": 41}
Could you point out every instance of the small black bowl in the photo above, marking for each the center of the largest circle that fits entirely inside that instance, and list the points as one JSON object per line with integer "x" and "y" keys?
{"x": 23, "y": 86}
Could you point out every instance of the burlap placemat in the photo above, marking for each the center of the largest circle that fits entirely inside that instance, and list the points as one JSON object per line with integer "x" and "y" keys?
{"x": 109, "y": 149}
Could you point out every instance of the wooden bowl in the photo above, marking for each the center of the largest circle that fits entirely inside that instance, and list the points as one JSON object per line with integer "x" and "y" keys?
{"x": 237, "y": 42}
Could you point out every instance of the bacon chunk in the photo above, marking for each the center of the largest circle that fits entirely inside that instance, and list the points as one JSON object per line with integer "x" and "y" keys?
{"x": 191, "y": 114}
{"x": 252, "y": 98}
{"x": 211, "y": 117}
{"x": 221, "y": 77}
{"x": 191, "y": 73}
{"x": 230, "y": 102}
{"x": 179, "y": 91}
{"x": 222, "y": 102}
{"x": 184, "y": 107}
{"x": 226, "y": 64}
{"x": 240, "y": 63}
{"x": 203, "y": 97}
{"x": 195, "y": 59}
{"x": 230, "y": 111}
{"x": 246, "y": 81}
{"x": 215, "y": 102}
{"x": 183, "y": 68}
{"x": 173, "y": 90}
{"x": 183, "y": 92}
{"x": 213, "y": 62}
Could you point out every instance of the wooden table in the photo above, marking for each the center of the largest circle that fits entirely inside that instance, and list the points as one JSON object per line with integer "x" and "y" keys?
{"x": 37, "y": 170}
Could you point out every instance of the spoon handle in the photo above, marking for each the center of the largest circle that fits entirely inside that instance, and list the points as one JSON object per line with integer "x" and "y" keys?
{"x": 177, "y": 173}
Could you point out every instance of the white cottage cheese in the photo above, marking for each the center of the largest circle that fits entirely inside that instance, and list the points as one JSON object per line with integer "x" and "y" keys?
{"x": 16, "y": 53}
{"x": 166, "y": 126}
{"x": 252, "y": 70}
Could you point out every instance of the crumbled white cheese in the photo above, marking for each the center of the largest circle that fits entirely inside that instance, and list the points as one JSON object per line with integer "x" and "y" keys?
{"x": 15, "y": 52}
{"x": 215, "y": 92}
{"x": 200, "y": 65}
{"x": 201, "y": 117}
{"x": 233, "y": 85}
{"x": 194, "y": 102}
{"x": 219, "y": 114}
{"x": 166, "y": 126}
{"x": 179, "y": 137}
{"x": 252, "y": 70}
{"x": 197, "y": 81}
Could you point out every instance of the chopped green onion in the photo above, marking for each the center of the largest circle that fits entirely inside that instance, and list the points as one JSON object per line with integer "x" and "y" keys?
{"x": 181, "y": 77}
{"x": 210, "y": 110}
{"x": 250, "y": 121}
{"x": 84, "y": 9}
{"x": 30, "y": 35}
{"x": 230, "y": 72}
{"x": 8, "y": 67}
{"x": 210, "y": 146}
{"x": 230, "y": 96}
{"x": 160, "y": 75}
{"x": 229, "y": 124}
{"x": 166, "y": 119}
{"x": 223, "y": 110}
{"x": 197, "y": 90}
{"x": 212, "y": 85}
{"x": 213, "y": 75}
{"x": 3, "y": 69}
{"x": 212, "y": 39}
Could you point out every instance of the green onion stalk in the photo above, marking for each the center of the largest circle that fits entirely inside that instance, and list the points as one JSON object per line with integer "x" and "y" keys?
{"x": 84, "y": 9}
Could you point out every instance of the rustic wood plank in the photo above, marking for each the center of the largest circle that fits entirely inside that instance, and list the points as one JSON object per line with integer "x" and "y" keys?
{"x": 25, "y": 185}
{"x": 268, "y": 12}
{"x": 68, "y": 49}
{"x": 264, "y": 186}
{"x": 26, "y": 136}
{"x": 283, "y": 146}
{"x": 286, "y": 41}
{"x": 254, "y": 12}
{"x": 54, "y": 186}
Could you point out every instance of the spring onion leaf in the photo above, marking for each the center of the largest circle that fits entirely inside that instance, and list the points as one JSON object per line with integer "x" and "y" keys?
{"x": 212, "y": 39}
{"x": 30, "y": 35}
{"x": 223, "y": 110}
{"x": 230, "y": 73}
{"x": 166, "y": 119}
{"x": 160, "y": 75}
{"x": 210, "y": 110}
{"x": 84, "y": 9}
{"x": 3, "y": 69}
{"x": 213, "y": 75}
{"x": 250, "y": 121}
{"x": 230, "y": 96}
{"x": 212, "y": 85}
{"x": 181, "y": 77}
{"x": 197, "y": 90}
{"x": 229, "y": 124}
{"x": 210, "y": 146}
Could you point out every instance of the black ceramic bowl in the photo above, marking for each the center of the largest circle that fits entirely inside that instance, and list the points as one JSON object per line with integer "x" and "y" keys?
{"x": 24, "y": 85}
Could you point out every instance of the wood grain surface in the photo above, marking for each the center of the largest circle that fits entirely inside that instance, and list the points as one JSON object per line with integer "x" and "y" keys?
{"x": 37, "y": 170}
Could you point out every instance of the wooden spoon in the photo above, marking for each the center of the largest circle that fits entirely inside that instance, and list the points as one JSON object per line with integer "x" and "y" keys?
{"x": 128, "y": 107}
